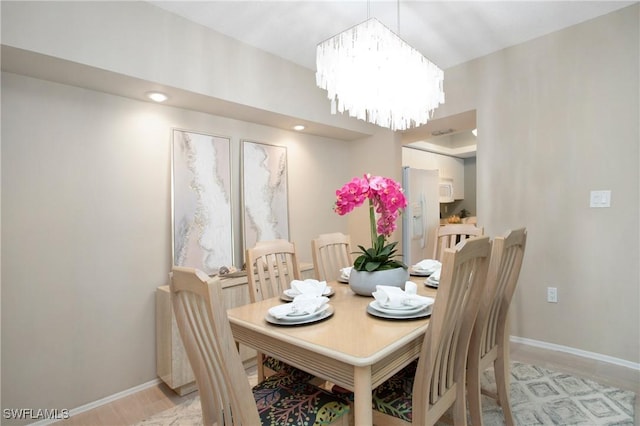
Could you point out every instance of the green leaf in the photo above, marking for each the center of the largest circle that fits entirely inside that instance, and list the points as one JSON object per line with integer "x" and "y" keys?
{"x": 379, "y": 257}
{"x": 372, "y": 266}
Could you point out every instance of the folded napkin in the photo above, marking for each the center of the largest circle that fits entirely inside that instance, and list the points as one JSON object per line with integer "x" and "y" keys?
{"x": 345, "y": 272}
{"x": 427, "y": 265}
{"x": 396, "y": 298}
{"x": 436, "y": 275}
{"x": 310, "y": 287}
{"x": 303, "y": 304}
{"x": 410, "y": 287}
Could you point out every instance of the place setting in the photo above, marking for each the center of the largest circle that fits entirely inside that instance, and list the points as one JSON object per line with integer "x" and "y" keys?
{"x": 308, "y": 287}
{"x": 398, "y": 304}
{"x": 304, "y": 309}
{"x": 425, "y": 268}
{"x": 308, "y": 302}
{"x": 344, "y": 275}
{"x": 433, "y": 280}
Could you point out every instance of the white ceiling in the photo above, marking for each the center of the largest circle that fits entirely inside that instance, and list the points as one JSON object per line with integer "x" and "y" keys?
{"x": 446, "y": 32}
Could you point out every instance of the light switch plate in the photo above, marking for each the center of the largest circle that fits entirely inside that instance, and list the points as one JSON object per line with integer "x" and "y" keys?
{"x": 600, "y": 199}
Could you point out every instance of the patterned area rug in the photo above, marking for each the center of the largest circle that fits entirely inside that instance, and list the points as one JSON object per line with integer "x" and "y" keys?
{"x": 538, "y": 397}
{"x": 544, "y": 397}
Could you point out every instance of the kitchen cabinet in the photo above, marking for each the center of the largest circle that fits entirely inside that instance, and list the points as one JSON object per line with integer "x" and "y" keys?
{"x": 172, "y": 364}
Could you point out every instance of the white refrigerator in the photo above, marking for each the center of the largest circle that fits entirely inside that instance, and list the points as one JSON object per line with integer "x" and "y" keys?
{"x": 422, "y": 215}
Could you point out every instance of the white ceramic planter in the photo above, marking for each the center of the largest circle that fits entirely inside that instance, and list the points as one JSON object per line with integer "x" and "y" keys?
{"x": 364, "y": 283}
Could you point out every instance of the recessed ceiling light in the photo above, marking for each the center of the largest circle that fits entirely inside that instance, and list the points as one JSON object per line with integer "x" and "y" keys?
{"x": 298, "y": 127}
{"x": 157, "y": 96}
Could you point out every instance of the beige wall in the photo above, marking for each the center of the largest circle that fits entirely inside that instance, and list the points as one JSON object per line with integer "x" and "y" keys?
{"x": 86, "y": 237}
{"x": 378, "y": 155}
{"x": 557, "y": 118}
{"x": 86, "y": 184}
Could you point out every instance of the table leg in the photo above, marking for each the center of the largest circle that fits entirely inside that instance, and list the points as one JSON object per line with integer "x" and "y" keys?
{"x": 362, "y": 413}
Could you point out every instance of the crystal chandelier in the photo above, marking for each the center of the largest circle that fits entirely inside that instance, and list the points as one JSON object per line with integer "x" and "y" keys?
{"x": 373, "y": 74}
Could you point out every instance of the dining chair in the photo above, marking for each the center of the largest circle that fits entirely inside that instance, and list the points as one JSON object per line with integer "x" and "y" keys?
{"x": 271, "y": 266}
{"x": 331, "y": 252}
{"x": 225, "y": 394}
{"x": 489, "y": 343}
{"x": 447, "y": 236}
{"x": 424, "y": 391}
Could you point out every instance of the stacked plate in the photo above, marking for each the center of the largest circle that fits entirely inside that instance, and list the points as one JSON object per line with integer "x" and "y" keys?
{"x": 344, "y": 275}
{"x": 432, "y": 282}
{"x": 296, "y": 318}
{"x": 434, "y": 277}
{"x": 401, "y": 312}
{"x": 425, "y": 267}
{"x": 419, "y": 272}
{"x": 289, "y": 294}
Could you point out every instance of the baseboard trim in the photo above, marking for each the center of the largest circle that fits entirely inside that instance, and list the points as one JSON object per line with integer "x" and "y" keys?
{"x": 577, "y": 352}
{"x": 102, "y": 401}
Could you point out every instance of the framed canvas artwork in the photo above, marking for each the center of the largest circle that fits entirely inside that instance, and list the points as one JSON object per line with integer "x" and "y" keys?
{"x": 201, "y": 201}
{"x": 265, "y": 201}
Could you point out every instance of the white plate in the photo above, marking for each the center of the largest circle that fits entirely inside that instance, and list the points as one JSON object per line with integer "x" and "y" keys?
{"x": 323, "y": 313}
{"x": 293, "y": 316}
{"x": 431, "y": 283}
{"x": 300, "y": 315}
{"x": 404, "y": 308}
{"x": 408, "y": 310}
{"x": 288, "y": 297}
{"x": 421, "y": 272}
{"x": 423, "y": 313}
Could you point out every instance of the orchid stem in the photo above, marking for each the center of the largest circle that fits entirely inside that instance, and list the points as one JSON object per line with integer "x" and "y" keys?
{"x": 372, "y": 221}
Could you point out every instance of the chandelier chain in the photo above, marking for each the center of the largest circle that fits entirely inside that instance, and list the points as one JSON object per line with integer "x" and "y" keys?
{"x": 398, "y": 15}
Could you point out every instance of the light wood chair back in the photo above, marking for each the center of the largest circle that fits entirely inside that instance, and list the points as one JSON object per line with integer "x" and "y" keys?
{"x": 225, "y": 393}
{"x": 490, "y": 338}
{"x": 448, "y": 236}
{"x": 271, "y": 266}
{"x": 331, "y": 252}
{"x": 439, "y": 382}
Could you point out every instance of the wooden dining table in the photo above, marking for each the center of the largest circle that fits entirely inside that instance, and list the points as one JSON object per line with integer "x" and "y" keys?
{"x": 351, "y": 348}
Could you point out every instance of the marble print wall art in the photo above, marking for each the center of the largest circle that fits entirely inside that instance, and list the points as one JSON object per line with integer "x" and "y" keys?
{"x": 201, "y": 199}
{"x": 265, "y": 193}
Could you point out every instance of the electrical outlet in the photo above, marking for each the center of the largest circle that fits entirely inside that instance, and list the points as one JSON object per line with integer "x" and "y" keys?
{"x": 552, "y": 295}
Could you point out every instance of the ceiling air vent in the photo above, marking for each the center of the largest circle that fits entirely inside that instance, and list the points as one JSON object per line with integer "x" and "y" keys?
{"x": 442, "y": 132}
